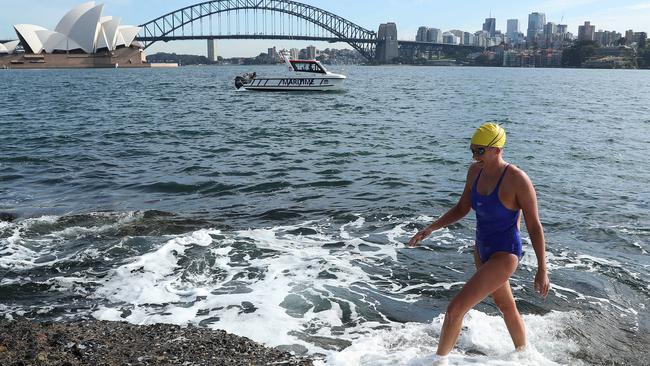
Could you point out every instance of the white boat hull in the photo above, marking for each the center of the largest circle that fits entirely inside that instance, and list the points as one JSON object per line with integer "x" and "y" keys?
{"x": 292, "y": 84}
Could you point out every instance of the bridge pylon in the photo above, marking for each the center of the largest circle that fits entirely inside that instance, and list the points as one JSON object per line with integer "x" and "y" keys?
{"x": 387, "y": 45}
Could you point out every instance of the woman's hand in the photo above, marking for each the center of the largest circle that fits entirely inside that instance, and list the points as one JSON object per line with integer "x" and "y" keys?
{"x": 542, "y": 283}
{"x": 417, "y": 238}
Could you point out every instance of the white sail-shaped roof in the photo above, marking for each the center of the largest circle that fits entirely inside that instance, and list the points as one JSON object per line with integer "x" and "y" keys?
{"x": 11, "y": 46}
{"x": 27, "y": 34}
{"x": 66, "y": 44}
{"x": 110, "y": 28}
{"x": 119, "y": 40}
{"x": 44, "y": 35}
{"x": 68, "y": 21}
{"x": 59, "y": 42}
{"x": 129, "y": 33}
{"x": 3, "y": 49}
{"x": 102, "y": 41}
{"x": 85, "y": 29}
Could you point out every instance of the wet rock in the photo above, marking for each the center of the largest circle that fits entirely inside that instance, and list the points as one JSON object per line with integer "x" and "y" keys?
{"x": 7, "y": 217}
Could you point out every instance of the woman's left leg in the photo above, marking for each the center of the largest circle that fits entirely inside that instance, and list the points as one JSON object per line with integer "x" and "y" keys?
{"x": 492, "y": 275}
{"x": 504, "y": 300}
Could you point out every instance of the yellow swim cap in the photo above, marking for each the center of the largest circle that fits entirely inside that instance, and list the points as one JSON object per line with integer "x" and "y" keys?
{"x": 490, "y": 135}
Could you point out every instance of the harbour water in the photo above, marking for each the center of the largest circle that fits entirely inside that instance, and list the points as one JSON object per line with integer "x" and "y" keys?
{"x": 166, "y": 196}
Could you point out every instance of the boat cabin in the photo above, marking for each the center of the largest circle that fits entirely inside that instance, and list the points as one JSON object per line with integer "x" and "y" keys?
{"x": 307, "y": 66}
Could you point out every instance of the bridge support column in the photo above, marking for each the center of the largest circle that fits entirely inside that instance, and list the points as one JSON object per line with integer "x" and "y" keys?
{"x": 387, "y": 46}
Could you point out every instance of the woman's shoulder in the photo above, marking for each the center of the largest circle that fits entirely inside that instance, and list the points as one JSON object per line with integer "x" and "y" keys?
{"x": 517, "y": 174}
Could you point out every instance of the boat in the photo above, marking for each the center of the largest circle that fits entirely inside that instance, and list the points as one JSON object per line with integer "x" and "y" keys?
{"x": 308, "y": 75}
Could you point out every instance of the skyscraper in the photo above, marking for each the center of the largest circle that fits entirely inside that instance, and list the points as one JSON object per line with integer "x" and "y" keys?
{"x": 311, "y": 52}
{"x": 550, "y": 29}
{"x": 434, "y": 35}
{"x": 513, "y": 27}
{"x": 536, "y": 23}
{"x": 490, "y": 26}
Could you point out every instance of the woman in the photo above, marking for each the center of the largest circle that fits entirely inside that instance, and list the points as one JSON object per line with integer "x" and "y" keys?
{"x": 498, "y": 192}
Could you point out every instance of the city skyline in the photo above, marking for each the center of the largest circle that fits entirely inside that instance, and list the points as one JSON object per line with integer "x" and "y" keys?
{"x": 408, "y": 14}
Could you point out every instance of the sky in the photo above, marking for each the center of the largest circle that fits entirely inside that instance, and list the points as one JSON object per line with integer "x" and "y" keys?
{"x": 467, "y": 15}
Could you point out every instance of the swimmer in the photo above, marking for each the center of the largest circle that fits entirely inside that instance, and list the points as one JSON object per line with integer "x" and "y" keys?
{"x": 499, "y": 193}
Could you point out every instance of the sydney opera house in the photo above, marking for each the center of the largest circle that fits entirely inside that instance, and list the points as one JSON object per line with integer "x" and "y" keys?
{"x": 83, "y": 38}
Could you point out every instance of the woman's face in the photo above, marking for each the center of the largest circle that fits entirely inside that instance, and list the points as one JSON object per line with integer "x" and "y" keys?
{"x": 483, "y": 154}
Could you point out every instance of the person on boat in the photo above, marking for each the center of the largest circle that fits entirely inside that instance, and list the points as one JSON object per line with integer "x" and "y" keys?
{"x": 498, "y": 192}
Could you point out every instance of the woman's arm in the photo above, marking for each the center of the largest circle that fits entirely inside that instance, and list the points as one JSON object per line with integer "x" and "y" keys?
{"x": 460, "y": 210}
{"x": 527, "y": 200}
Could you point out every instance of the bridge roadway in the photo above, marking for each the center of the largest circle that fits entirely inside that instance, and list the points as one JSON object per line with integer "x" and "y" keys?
{"x": 261, "y": 36}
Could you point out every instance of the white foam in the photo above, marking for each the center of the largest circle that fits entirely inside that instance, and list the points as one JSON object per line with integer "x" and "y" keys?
{"x": 19, "y": 252}
{"x": 151, "y": 287}
{"x": 415, "y": 344}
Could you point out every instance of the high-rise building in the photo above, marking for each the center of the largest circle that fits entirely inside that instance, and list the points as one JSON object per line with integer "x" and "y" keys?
{"x": 586, "y": 32}
{"x": 434, "y": 35}
{"x": 629, "y": 36}
{"x": 273, "y": 53}
{"x": 513, "y": 27}
{"x": 311, "y": 52}
{"x": 422, "y": 34}
{"x": 550, "y": 29}
{"x": 490, "y": 26}
{"x": 536, "y": 23}
{"x": 294, "y": 53}
{"x": 562, "y": 28}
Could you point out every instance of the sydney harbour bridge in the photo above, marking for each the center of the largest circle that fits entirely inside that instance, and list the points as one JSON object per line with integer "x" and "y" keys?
{"x": 282, "y": 20}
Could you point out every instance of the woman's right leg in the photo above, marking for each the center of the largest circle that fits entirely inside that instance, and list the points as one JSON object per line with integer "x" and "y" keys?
{"x": 488, "y": 278}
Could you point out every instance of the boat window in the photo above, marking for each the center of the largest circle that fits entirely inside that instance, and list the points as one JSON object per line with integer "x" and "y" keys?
{"x": 307, "y": 67}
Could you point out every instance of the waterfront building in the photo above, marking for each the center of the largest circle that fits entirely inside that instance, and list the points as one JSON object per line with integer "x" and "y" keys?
{"x": 586, "y": 32}
{"x": 82, "y": 30}
{"x": 468, "y": 38}
{"x": 481, "y": 39}
{"x": 434, "y": 35}
{"x": 607, "y": 38}
{"x": 490, "y": 26}
{"x": 536, "y": 23}
{"x": 450, "y": 38}
{"x": 294, "y": 53}
{"x": 212, "y": 50}
{"x": 421, "y": 35}
{"x": 629, "y": 36}
{"x": 459, "y": 34}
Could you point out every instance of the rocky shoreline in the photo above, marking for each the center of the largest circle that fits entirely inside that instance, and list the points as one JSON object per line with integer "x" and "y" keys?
{"x": 92, "y": 342}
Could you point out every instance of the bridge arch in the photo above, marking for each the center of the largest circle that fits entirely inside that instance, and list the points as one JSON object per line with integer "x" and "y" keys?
{"x": 164, "y": 28}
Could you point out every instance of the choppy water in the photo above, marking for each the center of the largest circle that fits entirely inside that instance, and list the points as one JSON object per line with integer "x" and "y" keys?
{"x": 167, "y": 196}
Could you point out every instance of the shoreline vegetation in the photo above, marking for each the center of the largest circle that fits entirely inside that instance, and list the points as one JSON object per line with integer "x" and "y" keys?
{"x": 93, "y": 342}
{"x": 583, "y": 54}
